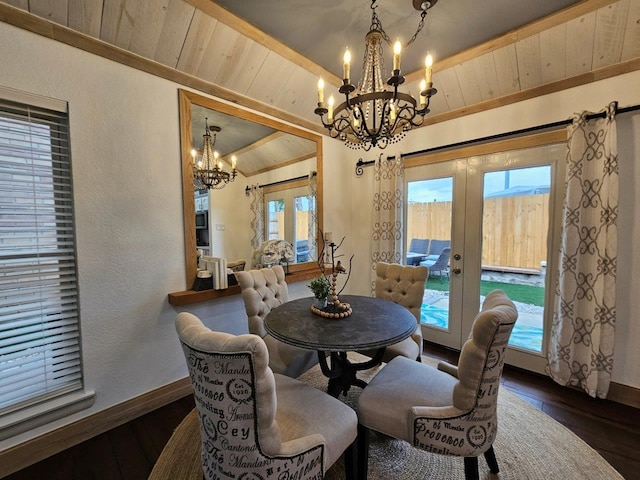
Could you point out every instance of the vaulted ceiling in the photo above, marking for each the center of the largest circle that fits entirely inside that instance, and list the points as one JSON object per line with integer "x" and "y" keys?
{"x": 523, "y": 51}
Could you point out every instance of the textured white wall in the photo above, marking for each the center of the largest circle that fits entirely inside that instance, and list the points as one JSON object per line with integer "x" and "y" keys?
{"x": 128, "y": 201}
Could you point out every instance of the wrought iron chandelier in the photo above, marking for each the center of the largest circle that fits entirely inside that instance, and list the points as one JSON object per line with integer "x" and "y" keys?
{"x": 375, "y": 116}
{"x": 208, "y": 171}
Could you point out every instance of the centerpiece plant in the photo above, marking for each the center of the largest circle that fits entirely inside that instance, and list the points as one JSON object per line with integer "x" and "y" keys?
{"x": 321, "y": 288}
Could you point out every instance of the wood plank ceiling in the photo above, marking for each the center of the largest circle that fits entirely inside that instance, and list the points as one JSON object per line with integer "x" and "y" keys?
{"x": 200, "y": 44}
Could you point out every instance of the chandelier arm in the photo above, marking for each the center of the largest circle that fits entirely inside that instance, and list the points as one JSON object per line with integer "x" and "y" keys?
{"x": 380, "y": 132}
{"x": 356, "y": 106}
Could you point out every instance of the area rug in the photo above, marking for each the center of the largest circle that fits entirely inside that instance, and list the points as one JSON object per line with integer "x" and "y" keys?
{"x": 529, "y": 445}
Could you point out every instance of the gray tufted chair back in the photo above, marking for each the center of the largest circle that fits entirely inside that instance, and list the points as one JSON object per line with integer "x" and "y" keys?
{"x": 401, "y": 284}
{"x": 262, "y": 290}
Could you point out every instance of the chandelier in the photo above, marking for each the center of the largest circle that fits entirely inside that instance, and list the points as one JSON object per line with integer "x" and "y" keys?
{"x": 208, "y": 171}
{"x": 374, "y": 116}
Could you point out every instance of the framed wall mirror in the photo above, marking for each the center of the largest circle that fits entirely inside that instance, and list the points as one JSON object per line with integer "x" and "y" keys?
{"x": 275, "y": 157}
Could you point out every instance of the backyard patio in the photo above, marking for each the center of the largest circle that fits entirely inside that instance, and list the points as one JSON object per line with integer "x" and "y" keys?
{"x": 525, "y": 290}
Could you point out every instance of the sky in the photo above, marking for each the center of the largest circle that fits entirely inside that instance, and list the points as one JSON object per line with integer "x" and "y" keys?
{"x": 439, "y": 189}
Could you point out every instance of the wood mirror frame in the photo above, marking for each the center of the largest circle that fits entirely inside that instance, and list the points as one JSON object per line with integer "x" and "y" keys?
{"x": 298, "y": 272}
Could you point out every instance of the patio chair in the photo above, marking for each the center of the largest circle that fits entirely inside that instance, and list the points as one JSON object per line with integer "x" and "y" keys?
{"x": 440, "y": 265}
{"x": 437, "y": 246}
{"x": 418, "y": 250}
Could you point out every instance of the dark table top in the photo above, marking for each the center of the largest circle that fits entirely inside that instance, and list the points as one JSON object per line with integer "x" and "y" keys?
{"x": 374, "y": 323}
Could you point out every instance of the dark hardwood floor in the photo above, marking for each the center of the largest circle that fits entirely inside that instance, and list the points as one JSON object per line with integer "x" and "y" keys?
{"x": 128, "y": 452}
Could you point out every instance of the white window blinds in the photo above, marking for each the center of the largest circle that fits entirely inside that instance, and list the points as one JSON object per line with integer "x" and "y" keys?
{"x": 39, "y": 325}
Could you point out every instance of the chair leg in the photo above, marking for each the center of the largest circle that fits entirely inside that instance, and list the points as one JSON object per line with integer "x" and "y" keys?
{"x": 351, "y": 461}
{"x": 490, "y": 457}
{"x": 471, "y": 468}
{"x": 363, "y": 452}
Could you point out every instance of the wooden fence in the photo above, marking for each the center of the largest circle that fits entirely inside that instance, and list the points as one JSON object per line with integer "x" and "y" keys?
{"x": 514, "y": 229}
{"x": 302, "y": 225}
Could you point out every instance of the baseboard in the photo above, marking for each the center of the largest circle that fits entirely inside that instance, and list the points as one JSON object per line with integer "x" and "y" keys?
{"x": 32, "y": 451}
{"x": 624, "y": 394}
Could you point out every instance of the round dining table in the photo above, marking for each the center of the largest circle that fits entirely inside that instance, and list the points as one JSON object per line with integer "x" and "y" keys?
{"x": 373, "y": 325}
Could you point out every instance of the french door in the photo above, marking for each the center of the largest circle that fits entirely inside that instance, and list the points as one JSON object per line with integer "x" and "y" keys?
{"x": 491, "y": 220}
{"x": 287, "y": 212}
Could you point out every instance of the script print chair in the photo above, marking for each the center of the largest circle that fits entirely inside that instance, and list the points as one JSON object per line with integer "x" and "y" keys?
{"x": 255, "y": 424}
{"x": 403, "y": 285}
{"x": 447, "y": 410}
{"x": 263, "y": 290}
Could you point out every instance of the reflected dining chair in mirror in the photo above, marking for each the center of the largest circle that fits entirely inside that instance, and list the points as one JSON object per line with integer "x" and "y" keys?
{"x": 263, "y": 290}
{"x": 446, "y": 410}
{"x": 403, "y": 285}
{"x": 253, "y": 423}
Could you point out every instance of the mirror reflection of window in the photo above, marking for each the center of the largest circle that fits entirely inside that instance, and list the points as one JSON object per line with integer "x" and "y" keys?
{"x": 287, "y": 214}
{"x": 275, "y": 219}
{"x": 304, "y": 207}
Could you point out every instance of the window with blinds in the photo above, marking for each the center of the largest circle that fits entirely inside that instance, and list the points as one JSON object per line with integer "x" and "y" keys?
{"x": 39, "y": 324}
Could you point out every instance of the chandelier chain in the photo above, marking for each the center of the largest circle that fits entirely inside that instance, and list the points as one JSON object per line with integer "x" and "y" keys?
{"x": 376, "y": 24}
{"x": 423, "y": 16}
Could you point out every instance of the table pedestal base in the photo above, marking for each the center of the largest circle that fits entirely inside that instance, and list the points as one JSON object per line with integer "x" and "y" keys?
{"x": 342, "y": 373}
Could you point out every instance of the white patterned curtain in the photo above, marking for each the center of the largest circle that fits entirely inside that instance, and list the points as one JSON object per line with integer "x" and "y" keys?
{"x": 582, "y": 334}
{"x": 388, "y": 213}
{"x": 257, "y": 222}
{"x": 313, "y": 216}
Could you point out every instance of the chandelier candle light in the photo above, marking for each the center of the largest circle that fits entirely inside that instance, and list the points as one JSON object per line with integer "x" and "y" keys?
{"x": 375, "y": 116}
{"x": 208, "y": 172}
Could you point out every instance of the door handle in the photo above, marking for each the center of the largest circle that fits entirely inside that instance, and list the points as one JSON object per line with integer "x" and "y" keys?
{"x": 456, "y": 270}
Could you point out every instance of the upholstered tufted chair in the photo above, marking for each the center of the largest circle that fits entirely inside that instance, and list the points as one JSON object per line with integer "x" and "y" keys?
{"x": 447, "y": 410}
{"x": 263, "y": 290}
{"x": 403, "y": 285}
{"x": 253, "y": 424}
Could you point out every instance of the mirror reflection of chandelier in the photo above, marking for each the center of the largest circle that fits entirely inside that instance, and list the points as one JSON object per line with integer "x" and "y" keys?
{"x": 375, "y": 116}
{"x": 208, "y": 171}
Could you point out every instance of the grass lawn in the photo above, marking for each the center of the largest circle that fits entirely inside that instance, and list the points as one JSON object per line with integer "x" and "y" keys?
{"x": 518, "y": 293}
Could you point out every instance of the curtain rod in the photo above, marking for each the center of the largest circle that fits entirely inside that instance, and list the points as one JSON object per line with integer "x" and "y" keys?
{"x": 360, "y": 164}
{"x": 301, "y": 177}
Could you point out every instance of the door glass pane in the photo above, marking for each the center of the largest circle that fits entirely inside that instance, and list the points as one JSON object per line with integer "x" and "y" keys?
{"x": 514, "y": 246}
{"x": 275, "y": 219}
{"x": 303, "y": 208}
{"x": 429, "y": 215}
